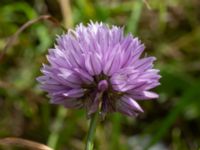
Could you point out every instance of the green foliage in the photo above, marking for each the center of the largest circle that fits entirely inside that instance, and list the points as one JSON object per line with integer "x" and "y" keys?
{"x": 170, "y": 31}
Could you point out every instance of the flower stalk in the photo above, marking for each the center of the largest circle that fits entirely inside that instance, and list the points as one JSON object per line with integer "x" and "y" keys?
{"x": 91, "y": 132}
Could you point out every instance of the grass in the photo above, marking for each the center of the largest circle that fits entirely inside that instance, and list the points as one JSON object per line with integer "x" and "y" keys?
{"x": 170, "y": 31}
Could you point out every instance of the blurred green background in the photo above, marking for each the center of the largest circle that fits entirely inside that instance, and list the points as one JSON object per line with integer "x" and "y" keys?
{"x": 170, "y": 30}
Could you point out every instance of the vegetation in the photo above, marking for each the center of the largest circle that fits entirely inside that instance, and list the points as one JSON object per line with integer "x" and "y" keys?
{"x": 170, "y": 30}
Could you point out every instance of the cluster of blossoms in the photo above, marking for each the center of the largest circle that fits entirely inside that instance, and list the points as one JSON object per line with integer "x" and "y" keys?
{"x": 98, "y": 68}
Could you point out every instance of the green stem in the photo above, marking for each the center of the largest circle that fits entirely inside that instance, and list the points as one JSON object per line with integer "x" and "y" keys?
{"x": 57, "y": 126}
{"x": 135, "y": 17}
{"x": 91, "y": 132}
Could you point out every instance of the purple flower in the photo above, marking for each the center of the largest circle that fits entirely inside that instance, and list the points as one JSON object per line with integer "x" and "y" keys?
{"x": 98, "y": 68}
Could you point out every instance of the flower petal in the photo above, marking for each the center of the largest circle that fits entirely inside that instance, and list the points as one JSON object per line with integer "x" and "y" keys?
{"x": 128, "y": 106}
{"x": 74, "y": 93}
{"x": 144, "y": 95}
